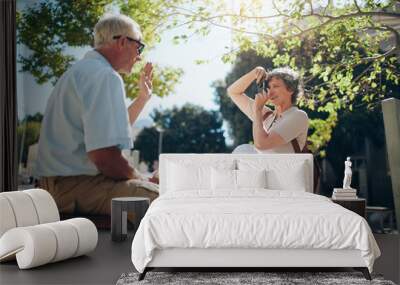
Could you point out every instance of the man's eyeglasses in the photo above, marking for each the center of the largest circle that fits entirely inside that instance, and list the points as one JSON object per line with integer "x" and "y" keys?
{"x": 140, "y": 47}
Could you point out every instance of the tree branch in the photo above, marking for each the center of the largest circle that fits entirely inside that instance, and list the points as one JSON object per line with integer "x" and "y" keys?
{"x": 327, "y": 6}
{"x": 330, "y": 20}
{"x": 386, "y": 54}
{"x": 311, "y": 7}
{"x": 242, "y": 31}
{"x": 359, "y": 13}
{"x": 342, "y": 17}
{"x": 394, "y": 32}
{"x": 358, "y": 7}
{"x": 362, "y": 73}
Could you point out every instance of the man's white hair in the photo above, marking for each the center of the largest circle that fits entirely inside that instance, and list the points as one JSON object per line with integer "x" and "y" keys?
{"x": 111, "y": 25}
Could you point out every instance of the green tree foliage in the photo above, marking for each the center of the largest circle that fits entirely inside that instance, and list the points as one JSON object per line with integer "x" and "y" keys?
{"x": 345, "y": 50}
{"x": 147, "y": 143}
{"x": 28, "y": 132}
{"x": 189, "y": 129}
{"x": 49, "y": 27}
{"x": 240, "y": 126}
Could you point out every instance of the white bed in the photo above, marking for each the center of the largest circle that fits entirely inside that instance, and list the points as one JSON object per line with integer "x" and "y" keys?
{"x": 223, "y": 210}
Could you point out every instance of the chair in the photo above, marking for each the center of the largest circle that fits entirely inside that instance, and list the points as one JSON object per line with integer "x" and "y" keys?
{"x": 31, "y": 231}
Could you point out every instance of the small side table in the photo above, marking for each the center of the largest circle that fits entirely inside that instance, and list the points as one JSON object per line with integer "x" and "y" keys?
{"x": 357, "y": 205}
{"x": 384, "y": 217}
{"x": 119, "y": 214}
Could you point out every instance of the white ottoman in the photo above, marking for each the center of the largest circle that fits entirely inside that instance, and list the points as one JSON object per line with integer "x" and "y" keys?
{"x": 31, "y": 232}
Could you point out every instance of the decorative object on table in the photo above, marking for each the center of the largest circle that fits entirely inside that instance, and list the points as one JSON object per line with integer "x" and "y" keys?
{"x": 347, "y": 174}
{"x": 345, "y": 193}
{"x": 120, "y": 207}
{"x": 248, "y": 278}
{"x": 31, "y": 231}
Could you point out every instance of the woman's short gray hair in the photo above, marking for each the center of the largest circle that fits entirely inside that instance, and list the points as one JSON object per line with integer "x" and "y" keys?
{"x": 111, "y": 25}
{"x": 291, "y": 79}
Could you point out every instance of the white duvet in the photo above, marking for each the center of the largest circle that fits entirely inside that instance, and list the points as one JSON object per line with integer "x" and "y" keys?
{"x": 250, "y": 219}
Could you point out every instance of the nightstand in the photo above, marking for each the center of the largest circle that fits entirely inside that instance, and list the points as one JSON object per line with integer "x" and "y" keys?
{"x": 357, "y": 205}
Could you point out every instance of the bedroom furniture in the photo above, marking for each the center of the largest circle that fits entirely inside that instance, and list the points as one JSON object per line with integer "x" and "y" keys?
{"x": 31, "y": 231}
{"x": 357, "y": 205}
{"x": 120, "y": 207}
{"x": 384, "y": 216}
{"x": 247, "y": 210}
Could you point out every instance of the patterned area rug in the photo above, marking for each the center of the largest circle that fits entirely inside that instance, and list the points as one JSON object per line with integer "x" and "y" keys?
{"x": 242, "y": 278}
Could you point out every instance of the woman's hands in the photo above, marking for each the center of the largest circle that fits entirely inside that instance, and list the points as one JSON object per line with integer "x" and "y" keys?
{"x": 260, "y": 100}
{"x": 259, "y": 73}
{"x": 146, "y": 82}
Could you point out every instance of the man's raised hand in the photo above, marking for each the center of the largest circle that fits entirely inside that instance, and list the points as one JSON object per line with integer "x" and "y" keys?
{"x": 146, "y": 81}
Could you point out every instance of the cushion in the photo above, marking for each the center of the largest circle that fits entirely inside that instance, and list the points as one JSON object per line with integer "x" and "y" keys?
{"x": 23, "y": 208}
{"x": 231, "y": 180}
{"x": 186, "y": 177}
{"x": 7, "y": 220}
{"x": 197, "y": 166}
{"x": 51, "y": 242}
{"x": 290, "y": 180}
{"x": 280, "y": 174}
{"x": 251, "y": 178}
{"x": 45, "y": 205}
{"x": 26, "y": 208}
{"x": 223, "y": 179}
{"x": 189, "y": 175}
{"x": 31, "y": 232}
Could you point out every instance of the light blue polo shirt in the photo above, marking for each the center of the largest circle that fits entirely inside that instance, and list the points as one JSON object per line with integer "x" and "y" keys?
{"x": 86, "y": 111}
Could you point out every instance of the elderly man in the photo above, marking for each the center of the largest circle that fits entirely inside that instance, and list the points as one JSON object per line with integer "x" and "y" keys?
{"x": 86, "y": 124}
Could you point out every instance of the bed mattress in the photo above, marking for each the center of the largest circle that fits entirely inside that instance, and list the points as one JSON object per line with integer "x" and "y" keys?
{"x": 250, "y": 219}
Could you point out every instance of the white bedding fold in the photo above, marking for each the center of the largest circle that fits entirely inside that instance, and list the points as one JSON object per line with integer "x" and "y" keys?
{"x": 250, "y": 219}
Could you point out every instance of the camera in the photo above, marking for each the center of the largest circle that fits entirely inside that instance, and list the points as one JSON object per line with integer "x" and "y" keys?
{"x": 261, "y": 86}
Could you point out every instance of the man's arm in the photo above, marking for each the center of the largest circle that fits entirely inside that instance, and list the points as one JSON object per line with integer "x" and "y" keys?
{"x": 145, "y": 89}
{"x": 110, "y": 162}
{"x": 136, "y": 108}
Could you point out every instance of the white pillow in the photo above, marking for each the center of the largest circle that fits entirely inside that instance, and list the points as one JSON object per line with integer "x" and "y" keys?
{"x": 223, "y": 179}
{"x": 230, "y": 180}
{"x": 188, "y": 177}
{"x": 293, "y": 179}
{"x": 280, "y": 174}
{"x": 251, "y": 178}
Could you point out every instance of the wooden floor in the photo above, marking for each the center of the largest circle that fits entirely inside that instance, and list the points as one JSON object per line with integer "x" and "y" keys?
{"x": 102, "y": 266}
{"x": 110, "y": 259}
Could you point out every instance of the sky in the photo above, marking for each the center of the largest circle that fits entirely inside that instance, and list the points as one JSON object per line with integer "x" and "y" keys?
{"x": 195, "y": 84}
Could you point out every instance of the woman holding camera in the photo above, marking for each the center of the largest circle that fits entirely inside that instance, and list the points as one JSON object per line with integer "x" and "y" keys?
{"x": 273, "y": 130}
